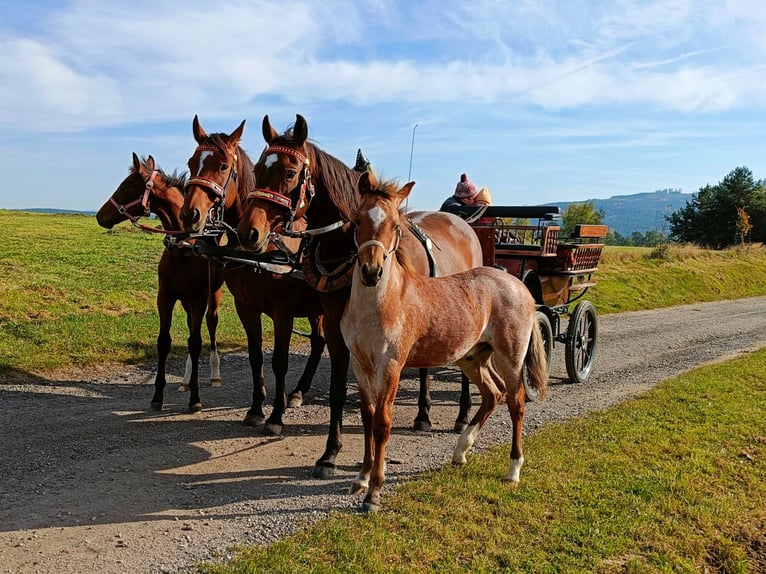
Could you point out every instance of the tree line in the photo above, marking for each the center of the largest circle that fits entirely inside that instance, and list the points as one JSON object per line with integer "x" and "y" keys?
{"x": 731, "y": 212}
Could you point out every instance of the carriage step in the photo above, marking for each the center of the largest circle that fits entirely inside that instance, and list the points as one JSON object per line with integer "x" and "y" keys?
{"x": 582, "y": 286}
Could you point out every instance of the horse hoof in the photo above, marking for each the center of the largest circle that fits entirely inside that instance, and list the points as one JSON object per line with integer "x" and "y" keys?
{"x": 323, "y": 472}
{"x": 195, "y": 408}
{"x": 253, "y": 421}
{"x": 183, "y": 388}
{"x": 294, "y": 401}
{"x": 459, "y": 427}
{"x": 215, "y": 383}
{"x": 370, "y": 508}
{"x": 156, "y": 407}
{"x": 272, "y": 429}
{"x": 422, "y": 426}
{"x": 511, "y": 483}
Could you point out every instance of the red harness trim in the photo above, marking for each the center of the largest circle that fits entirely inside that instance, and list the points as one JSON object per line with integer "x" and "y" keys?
{"x": 208, "y": 183}
{"x": 289, "y": 151}
{"x": 270, "y": 196}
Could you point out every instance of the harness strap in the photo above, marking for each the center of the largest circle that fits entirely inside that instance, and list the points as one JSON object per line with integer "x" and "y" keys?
{"x": 425, "y": 240}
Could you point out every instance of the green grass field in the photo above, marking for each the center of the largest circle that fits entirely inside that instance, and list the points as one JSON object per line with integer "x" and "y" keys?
{"x": 674, "y": 481}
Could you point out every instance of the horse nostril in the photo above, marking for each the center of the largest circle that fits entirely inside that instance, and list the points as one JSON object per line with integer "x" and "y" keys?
{"x": 195, "y": 215}
{"x": 252, "y": 237}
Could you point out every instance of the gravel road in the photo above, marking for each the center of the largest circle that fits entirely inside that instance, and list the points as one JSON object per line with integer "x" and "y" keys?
{"x": 92, "y": 482}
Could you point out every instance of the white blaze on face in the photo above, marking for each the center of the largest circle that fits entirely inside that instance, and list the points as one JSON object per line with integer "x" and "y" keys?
{"x": 377, "y": 216}
{"x": 202, "y": 157}
{"x": 270, "y": 159}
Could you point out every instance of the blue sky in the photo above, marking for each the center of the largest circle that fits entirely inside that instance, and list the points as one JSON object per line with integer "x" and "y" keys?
{"x": 540, "y": 101}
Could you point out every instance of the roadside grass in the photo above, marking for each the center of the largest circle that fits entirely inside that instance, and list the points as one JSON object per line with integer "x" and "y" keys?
{"x": 672, "y": 481}
{"x": 633, "y": 278}
{"x": 72, "y": 293}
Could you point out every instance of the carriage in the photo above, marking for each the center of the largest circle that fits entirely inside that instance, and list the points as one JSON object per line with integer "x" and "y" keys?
{"x": 558, "y": 271}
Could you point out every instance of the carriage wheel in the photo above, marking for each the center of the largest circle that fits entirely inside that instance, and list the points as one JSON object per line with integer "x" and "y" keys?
{"x": 582, "y": 334}
{"x": 544, "y": 324}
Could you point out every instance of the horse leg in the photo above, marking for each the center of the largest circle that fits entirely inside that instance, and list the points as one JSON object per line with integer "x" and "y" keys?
{"x": 516, "y": 406}
{"x": 295, "y": 398}
{"x": 365, "y": 381}
{"x": 165, "y": 304}
{"x": 461, "y": 423}
{"x": 251, "y": 321}
{"x": 211, "y": 320}
{"x": 339, "y": 362}
{"x": 423, "y": 419}
{"x": 482, "y": 374}
{"x": 283, "y": 328}
{"x": 195, "y": 313}
{"x": 381, "y": 432}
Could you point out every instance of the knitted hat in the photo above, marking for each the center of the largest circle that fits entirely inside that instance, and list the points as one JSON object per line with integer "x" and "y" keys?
{"x": 465, "y": 189}
{"x": 483, "y": 197}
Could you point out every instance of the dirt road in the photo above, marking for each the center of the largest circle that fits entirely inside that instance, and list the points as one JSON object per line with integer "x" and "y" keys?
{"x": 92, "y": 482}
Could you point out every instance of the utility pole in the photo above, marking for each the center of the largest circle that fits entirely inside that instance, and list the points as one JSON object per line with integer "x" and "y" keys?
{"x": 409, "y": 173}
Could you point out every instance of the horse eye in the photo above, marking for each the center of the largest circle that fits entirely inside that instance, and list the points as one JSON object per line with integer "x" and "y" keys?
{"x": 223, "y": 167}
{"x": 290, "y": 174}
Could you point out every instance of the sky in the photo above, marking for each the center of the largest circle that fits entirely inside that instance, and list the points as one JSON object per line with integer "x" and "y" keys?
{"x": 540, "y": 101}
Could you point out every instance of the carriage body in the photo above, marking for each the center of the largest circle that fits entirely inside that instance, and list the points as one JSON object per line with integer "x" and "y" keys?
{"x": 557, "y": 270}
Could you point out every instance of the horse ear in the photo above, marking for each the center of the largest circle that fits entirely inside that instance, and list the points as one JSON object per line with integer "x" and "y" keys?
{"x": 199, "y": 133}
{"x": 366, "y": 182}
{"x": 300, "y": 130}
{"x": 150, "y": 163}
{"x": 236, "y": 135}
{"x": 136, "y": 162}
{"x": 405, "y": 191}
{"x": 269, "y": 133}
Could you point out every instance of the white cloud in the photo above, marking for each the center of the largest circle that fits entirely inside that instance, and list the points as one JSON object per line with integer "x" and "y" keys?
{"x": 103, "y": 64}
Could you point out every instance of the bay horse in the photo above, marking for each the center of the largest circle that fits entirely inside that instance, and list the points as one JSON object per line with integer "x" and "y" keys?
{"x": 438, "y": 243}
{"x": 221, "y": 177}
{"x": 181, "y": 277}
{"x": 482, "y": 319}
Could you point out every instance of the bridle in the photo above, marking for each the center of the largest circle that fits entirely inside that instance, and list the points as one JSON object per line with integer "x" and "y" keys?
{"x": 144, "y": 202}
{"x": 215, "y": 214}
{"x": 303, "y": 191}
{"x": 375, "y": 243}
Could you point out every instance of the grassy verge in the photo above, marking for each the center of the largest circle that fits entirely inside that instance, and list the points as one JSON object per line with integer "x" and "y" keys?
{"x": 72, "y": 293}
{"x": 673, "y": 481}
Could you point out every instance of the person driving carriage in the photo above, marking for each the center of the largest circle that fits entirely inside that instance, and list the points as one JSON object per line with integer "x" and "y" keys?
{"x": 466, "y": 193}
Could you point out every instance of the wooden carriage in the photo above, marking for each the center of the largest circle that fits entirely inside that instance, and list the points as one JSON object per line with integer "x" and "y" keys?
{"x": 557, "y": 270}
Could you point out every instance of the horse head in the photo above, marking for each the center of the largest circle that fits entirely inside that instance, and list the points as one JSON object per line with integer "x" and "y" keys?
{"x": 283, "y": 185}
{"x": 146, "y": 189}
{"x": 378, "y": 225}
{"x": 215, "y": 167}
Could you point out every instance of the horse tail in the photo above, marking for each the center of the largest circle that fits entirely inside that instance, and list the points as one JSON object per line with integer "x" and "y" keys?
{"x": 537, "y": 363}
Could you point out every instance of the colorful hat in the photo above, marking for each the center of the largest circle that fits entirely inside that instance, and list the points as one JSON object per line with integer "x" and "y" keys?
{"x": 483, "y": 197}
{"x": 465, "y": 189}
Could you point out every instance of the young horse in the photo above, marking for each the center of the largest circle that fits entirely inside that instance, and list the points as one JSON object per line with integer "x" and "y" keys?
{"x": 221, "y": 177}
{"x": 181, "y": 278}
{"x": 438, "y": 243}
{"x": 397, "y": 318}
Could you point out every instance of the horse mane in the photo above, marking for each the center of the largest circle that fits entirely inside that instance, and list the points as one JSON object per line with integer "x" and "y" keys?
{"x": 175, "y": 179}
{"x": 339, "y": 181}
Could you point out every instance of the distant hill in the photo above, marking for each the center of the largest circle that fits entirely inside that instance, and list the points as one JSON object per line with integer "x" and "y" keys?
{"x": 54, "y": 210}
{"x": 639, "y": 212}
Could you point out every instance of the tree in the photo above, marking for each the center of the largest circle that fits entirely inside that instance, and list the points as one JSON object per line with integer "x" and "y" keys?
{"x": 580, "y": 213}
{"x": 710, "y": 219}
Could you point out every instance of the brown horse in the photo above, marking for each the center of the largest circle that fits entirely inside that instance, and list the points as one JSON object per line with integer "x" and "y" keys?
{"x": 438, "y": 243}
{"x": 397, "y": 318}
{"x": 221, "y": 178}
{"x": 182, "y": 277}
